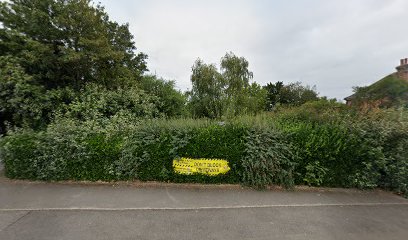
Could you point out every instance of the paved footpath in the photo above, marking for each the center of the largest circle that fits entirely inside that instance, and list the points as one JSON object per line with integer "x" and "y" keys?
{"x": 78, "y": 211}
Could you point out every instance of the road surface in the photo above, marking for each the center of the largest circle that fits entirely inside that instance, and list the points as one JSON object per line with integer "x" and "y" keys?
{"x": 80, "y": 211}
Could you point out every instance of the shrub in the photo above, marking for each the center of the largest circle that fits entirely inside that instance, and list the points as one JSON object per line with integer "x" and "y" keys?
{"x": 329, "y": 153}
{"x": 388, "y": 130}
{"x": 90, "y": 151}
{"x": 314, "y": 145}
{"x": 341, "y": 147}
{"x": 19, "y": 152}
{"x": 268, "y": 159}
{"x": 154, "y": 146}
{"x": 95, "y": 102}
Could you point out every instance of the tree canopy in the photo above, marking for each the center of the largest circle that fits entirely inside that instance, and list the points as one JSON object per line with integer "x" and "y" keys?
{"x": 171, "y": 101}
{"x": 53, "y": 52}
{"x": 207, "y": 95}
{"x": 68, "y": 43}
{"x": 225, "y": 92}
{"x": 292, "y": 94}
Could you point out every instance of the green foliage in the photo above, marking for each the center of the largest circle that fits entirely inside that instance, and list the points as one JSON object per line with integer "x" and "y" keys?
{"x": 19, "y": 154}
{"x": 321, "y": 111}
{"x": 321, "y": 143}
{"x": 293, "y": 94}
{"x": 273, "y": 95}
{"x": 254, "y": 99}
{"x": 172, "y": 103}
{"x": 95, "y": 102}
{"x": 22, "y": 102}
{"x": 251, "y": 100}
{"x": 330, "y": 148}
{"x": 66, "y": 57}
{"x": 154, "y": 146}
{"x": 68, "y": 149}
{"x": 268, "y": 159}
{"x": 224, "y": 93}
{"x": 68, "y": 43}
{"x": 235, "y": 76}
{"x": 389, "y": 131}
{"x": 342, "y": 147}
{"x": 315, "y": 174}
{"x": 206, "y": 96}
{"x": 65, "y": 151}
{"x": 145, "y": 150}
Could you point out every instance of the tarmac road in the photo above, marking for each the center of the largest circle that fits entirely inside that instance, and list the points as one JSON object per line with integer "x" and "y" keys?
{"x": 76, "y": 211}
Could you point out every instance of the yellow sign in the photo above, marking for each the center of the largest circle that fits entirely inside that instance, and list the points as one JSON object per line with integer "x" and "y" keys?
{"x": 205, "y": 166}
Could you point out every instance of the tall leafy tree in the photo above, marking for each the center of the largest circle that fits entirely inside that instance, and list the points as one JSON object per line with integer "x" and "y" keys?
{"x": 236, "y": 77}
{"x": 206, "y": 95}
{"x": 50, "y": 50}
{"x": 68, "y": 42}
{"x": 227, "y": 92}
{"x": 235, "y": 73}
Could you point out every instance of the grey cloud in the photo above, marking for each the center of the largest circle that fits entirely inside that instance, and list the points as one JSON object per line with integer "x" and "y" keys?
{"x": 333, "y": 44}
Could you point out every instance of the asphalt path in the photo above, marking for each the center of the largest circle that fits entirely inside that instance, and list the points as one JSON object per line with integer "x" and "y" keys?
{"x": 32, "y": 210}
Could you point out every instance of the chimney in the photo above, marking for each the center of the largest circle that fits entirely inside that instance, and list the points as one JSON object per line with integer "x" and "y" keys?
{"x": 402, "y": 70}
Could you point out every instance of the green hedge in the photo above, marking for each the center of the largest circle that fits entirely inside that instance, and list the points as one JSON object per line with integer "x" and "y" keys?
{"x": 145, "y": 151}
{"x": 153, "y": 147}
{"x": 318, "y": 144}
{"x": 342, "y": 147}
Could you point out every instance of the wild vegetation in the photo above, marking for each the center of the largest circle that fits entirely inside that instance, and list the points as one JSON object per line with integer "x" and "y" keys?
{"x": 77, "y": 103}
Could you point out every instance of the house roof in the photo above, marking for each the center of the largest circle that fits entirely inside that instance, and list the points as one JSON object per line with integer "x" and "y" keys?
{"x": 390, "y": 85}
{"x": 351, "y": 97}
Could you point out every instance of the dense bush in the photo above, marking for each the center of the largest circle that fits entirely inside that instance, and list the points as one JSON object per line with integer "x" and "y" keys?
{"x": 154, "y": 146}
{"x": 268, "y": 159}
{"x": 64, "y": 151}
{"x": 145, "y": 150}
{"x": 344, "y": 148}
{"x": 171, "y": 102}
{"x": 388, "y": 130}
{"x": 95, "y": 102}
{"x": 319, "y": 144}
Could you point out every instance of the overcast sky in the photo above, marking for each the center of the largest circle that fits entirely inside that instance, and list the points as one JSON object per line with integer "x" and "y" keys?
{"x": 332, "y": 44}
